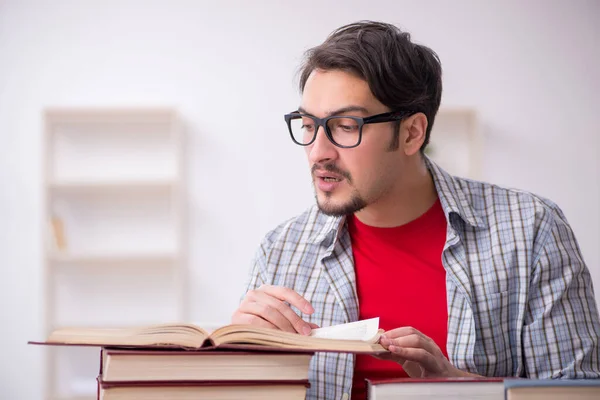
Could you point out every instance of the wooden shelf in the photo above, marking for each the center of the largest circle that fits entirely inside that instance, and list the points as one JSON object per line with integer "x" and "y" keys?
{"x": 116, "y": 258}
{"x": 126, "y": 186}
{"x": 113, "y": 197}
{"x": 62, "y": 115}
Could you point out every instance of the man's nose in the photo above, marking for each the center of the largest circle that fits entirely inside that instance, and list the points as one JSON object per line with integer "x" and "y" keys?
{"x": 321, "y": 149}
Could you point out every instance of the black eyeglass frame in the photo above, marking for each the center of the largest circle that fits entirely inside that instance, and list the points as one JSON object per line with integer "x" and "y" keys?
{"x": 373, "y": 119}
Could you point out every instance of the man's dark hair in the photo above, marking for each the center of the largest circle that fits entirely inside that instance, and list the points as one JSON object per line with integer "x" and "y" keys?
{"x": 401, "y": 74}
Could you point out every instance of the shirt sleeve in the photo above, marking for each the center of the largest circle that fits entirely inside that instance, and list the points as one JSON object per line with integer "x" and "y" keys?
{"x": 562, "y": 329}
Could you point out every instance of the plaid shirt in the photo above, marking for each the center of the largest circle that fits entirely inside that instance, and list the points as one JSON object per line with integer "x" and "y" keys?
{"x": 520, "y": 297}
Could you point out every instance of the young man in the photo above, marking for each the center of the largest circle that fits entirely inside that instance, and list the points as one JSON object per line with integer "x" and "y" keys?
{"x": 468, "y": 278}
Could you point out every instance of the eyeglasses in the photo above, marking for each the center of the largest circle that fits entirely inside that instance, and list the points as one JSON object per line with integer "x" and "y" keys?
{"x": 342, "y": 131}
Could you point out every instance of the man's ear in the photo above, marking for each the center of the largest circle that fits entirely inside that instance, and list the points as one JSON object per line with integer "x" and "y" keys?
{"x": 412, "y": 134}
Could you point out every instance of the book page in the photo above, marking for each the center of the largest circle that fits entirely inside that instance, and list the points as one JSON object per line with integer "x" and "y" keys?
{"x": 365, "y": 330}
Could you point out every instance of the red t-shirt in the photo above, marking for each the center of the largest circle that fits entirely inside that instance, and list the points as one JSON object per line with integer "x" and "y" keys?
{"x": 400, "y": 278}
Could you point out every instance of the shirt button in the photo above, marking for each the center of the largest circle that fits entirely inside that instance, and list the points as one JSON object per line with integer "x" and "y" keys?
{"x": 345, "y": 396}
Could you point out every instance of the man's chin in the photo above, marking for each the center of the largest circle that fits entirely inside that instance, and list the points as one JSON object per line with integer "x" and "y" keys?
{"x": 339, "y": 208}
{"x": 331, "y": 211}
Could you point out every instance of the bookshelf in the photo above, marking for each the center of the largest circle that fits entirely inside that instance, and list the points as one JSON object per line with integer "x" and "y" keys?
{"x": 456, "y": 142}
{"x": 114, "y": 208}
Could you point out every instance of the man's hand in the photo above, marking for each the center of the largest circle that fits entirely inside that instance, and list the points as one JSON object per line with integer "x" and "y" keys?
{"x": 266, "y": 307}
{"x": 418, "y": 354}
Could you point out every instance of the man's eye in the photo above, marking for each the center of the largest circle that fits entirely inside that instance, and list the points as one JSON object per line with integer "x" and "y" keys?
{"x": 308, "y": 127}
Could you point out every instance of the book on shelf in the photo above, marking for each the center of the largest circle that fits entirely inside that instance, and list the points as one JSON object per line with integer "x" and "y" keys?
{"x": 354, "y": 337}
{"x": 58, "y": 234}
{"x": 487, "y": 388}
{"x": 292, "y": 390}
{"x": 118, "y": 365}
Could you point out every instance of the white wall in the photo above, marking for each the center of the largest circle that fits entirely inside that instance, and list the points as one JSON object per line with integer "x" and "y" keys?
{"x": 530, "y": 67}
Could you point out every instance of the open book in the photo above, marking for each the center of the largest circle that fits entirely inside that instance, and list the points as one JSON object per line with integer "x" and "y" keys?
{"x": 354, "y": 337}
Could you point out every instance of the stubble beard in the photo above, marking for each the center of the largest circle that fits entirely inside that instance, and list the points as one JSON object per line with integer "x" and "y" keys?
{"x": 354, "y": 204}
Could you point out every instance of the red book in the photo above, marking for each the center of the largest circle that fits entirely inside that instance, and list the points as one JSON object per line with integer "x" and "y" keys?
{"x": 436, "y": 388}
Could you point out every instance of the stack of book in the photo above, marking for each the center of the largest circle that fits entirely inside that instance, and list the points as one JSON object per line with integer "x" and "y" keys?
{"x": 184, "y": 361}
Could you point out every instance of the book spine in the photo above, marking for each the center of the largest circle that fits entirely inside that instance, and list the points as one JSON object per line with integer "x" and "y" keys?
{"x": 101, "y": 369}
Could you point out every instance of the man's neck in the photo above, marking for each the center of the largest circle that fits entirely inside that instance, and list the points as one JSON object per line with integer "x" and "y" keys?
{"x": 405, "y": 203}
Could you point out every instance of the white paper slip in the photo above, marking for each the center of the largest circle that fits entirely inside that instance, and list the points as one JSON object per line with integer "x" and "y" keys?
{"x": 366, "y": 330}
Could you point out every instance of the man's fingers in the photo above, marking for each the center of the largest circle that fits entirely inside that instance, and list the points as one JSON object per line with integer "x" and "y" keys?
{"x": 287, "y": 294}
{"x": 268, "y": 313}
{"x": 411, "y": 337}
{"x": 298, "y": 323}
{"x": 265, "y": 299}
{"x": 251, "y": 319}
{"x": 271, "y": 304}
{"x": 420, "y": 356}
{"x": 414, "y": 341}
{"x": 404, "y": 331}
{"x": 313, "y": 326}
